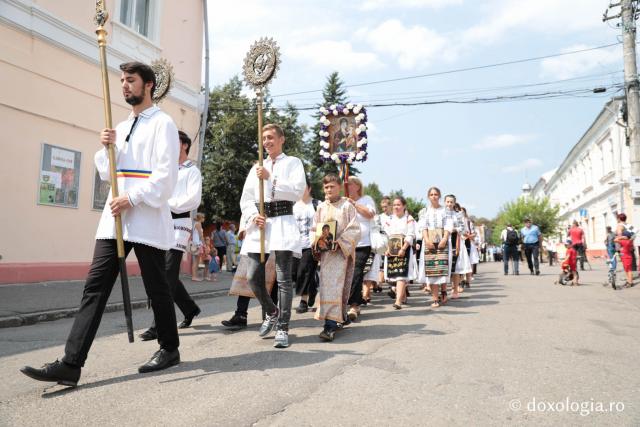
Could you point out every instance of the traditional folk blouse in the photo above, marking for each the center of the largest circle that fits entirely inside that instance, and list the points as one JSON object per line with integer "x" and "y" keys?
{"x": 286, "y": 182}
{"x": 404, "y": 225}
{"x": 186, "y": 197}
{"x": 431, "y": 218}
{"x": 147, "y": 171}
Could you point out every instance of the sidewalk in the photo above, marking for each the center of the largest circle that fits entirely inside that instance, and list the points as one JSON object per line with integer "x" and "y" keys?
{"x": 28, "y": 303}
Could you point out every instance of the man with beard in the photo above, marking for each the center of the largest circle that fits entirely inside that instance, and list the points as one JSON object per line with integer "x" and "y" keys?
{"x": 147, "y": 152}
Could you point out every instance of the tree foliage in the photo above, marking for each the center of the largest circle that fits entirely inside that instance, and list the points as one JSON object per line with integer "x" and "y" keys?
{"x": 540, "y": 211}
{"x": 231, "y": 146}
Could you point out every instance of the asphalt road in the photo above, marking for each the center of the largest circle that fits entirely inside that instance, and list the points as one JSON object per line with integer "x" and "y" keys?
{"x": 512, "y": 351}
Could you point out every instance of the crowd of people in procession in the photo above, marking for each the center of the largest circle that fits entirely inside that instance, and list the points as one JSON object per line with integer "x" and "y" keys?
{"x": 158, "y": 188}
{"x": 334, "y": 251}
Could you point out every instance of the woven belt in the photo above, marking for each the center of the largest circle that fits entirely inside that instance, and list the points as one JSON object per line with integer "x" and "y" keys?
{"x": 277, "y": 208}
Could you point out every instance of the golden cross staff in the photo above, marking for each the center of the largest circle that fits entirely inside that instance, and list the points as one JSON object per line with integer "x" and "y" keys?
{"x": 260, "y": 66}
{"x": 100, "y": 19}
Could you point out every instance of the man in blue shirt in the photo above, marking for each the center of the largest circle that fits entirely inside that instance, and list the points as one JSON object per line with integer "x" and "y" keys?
{"x": 531, "y": 237}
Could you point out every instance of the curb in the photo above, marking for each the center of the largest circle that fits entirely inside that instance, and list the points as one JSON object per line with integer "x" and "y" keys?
{"x": 49, "y": 315}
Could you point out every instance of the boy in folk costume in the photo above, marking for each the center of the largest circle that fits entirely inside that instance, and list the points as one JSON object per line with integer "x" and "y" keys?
{"x": 284, "y": 182}
{"x": 336, "y": 272}
{"x": 186, "y": 197}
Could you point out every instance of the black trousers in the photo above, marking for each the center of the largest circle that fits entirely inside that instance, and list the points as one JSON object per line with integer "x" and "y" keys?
{"x": 97, "y": 288}
{"x": 242, "y": 305}
{"x": 531, "y": 252}
{"x": 304, "y": 274}
{"x": 181, "y": 297}
{"x": 362, "y": 254}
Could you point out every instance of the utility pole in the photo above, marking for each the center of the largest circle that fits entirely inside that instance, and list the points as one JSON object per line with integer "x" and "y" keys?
{"x": 628, "y": 14}
{"x": 631, "y": 82}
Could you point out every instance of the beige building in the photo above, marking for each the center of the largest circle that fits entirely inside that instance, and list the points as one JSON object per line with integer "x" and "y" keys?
{"x": 592, "y": 184}
{"x": 51, "y": 111}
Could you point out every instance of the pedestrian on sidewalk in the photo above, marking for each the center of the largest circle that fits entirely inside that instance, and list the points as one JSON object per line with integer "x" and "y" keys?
{"x": 531, "y": 237}
{"x": 510, "y": 241}
{"x": 231, "y": 248}
{"x": 186, "y": 197}
{"x": 147, "y": 163}
{"x": 197, "y": 247}
{"x": 219, "y": 239}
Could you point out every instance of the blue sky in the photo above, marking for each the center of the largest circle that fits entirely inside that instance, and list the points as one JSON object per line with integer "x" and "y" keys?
{"x": 483, "y": 152}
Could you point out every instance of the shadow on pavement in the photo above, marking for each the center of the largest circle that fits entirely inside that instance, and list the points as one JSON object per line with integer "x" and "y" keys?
{"x": 255, "y": 361}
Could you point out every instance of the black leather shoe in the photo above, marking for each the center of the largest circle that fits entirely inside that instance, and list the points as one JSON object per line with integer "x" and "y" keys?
{"x": 149, "y": 334}
{"x": 188, "y": 319}
{"x": 236, "y": 322}
{"x": 303, "y": 307}
{"x": 58, "y": 372}
{"x": 161, "y": 359}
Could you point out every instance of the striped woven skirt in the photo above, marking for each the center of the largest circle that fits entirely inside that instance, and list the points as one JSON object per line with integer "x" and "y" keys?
{"x": 436, "y": 262}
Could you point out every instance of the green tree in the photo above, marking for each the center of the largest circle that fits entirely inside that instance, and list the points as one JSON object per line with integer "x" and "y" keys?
{"x": 541, "y": 212}
{"x": 231, "y": 146}
{"x": 372, "y": 190}
{"x": 333, "y": 93}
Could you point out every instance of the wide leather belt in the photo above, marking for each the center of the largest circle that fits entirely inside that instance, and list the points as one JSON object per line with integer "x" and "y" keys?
{"x": 277, "y": 208}
{"x": 180, "y": 215}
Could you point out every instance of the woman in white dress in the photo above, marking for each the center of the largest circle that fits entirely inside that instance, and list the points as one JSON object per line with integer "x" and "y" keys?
{"x": 463, "y": 264}
{"x": 373, "y": 264}
{"x": 435, "y": 262}
{"x": 400, "y": 261}
{"x": 472, "y": 250}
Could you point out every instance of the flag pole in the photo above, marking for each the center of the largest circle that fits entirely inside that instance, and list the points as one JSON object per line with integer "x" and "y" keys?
{"x": 100, "y": 19}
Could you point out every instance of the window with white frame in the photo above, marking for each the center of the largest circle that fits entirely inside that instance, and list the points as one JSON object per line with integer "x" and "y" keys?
{"x": 136, "y": 14}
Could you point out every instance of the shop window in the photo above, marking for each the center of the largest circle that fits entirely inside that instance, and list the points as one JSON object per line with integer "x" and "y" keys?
{"x": 59, "y": 181}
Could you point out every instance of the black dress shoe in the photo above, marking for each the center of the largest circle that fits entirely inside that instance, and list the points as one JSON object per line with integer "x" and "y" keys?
{"x": 57, "y": 371}
{"x": 161, "y": 359}
{"x": 303, "y": 307}
{"x": 149, "y": 334}
{"x": 188, "y": 319}
{"x": 236, "y": 322}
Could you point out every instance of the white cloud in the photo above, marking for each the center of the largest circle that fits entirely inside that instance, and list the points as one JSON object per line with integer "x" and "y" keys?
{"x": 382, "y": 4}
{"x": 564, "y": 67}
{"x": 501, "y": 141}
{"x": 522, "y": 166}
{"x": 410, "y": 46}
{"x": 540, "y": 16}
{"x": 335, "y": 55}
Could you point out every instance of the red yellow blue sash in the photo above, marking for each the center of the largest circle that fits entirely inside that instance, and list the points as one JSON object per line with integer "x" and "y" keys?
{"x": 132, "y": 173}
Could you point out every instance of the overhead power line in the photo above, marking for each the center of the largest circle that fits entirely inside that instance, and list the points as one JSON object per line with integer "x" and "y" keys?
{"x": 572, "y": 93}
{"x": 458, "y": 70}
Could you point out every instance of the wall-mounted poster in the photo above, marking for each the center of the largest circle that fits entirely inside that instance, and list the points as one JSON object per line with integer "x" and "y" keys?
{"x": 59, "y": 181}
{"x": 100, "y": 192}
